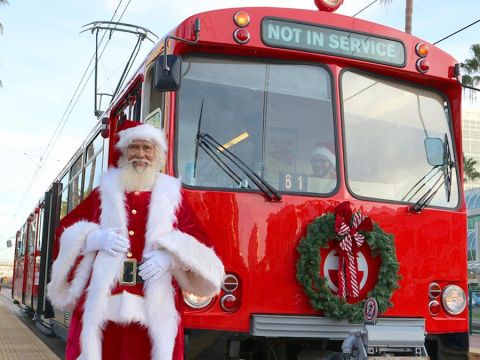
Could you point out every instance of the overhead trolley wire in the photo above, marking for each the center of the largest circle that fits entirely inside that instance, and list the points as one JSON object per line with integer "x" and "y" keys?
{"x": 366, "y": 7}
{"x": 65, "y": 117}
{"x": 436, "y": 42}
{"x": 125, "y": 9}
{"x": 86, "y": 82}
{"x": 66, "y": 114}
{"x": 456, "y": 32}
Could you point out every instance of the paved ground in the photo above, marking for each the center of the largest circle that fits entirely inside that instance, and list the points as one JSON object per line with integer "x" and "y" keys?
{"x": 475, "y": 341}
{"x": 20, "y": 338}
{"x": 17, "y": 341}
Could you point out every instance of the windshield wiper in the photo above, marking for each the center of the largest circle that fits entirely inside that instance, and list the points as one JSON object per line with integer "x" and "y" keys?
{"x": 420, "y": 184}
{"x": 447, "y": 168}
{"x": 428, "y": 195}
{"x": 213, "y": 148}
{"x": 212, "y": 154}
{"x": 196, "y": 145}
{"x": 443, "y": 171}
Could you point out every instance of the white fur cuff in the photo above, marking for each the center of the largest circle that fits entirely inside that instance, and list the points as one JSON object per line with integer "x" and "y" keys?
{"x": 206, "y": 269}
{"x": 60, "y": 291}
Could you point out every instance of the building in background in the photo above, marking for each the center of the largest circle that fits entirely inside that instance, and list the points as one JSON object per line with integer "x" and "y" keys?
{"x": 471, "y": 149}
{"x": 472, "y": 200}
{"x": 6, "y": 272}
{"x": 471, "y": 140}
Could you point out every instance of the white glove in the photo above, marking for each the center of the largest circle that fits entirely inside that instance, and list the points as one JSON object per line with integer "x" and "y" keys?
{"x": 107, "y": 240}
{"x": 157, "y": 263}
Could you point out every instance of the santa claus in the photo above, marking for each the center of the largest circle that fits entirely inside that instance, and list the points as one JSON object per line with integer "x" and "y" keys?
{"x": 123, "y": 267}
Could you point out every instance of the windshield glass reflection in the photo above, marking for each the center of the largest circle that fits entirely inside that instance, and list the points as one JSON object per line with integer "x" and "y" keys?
{"x": 386, "y": 124}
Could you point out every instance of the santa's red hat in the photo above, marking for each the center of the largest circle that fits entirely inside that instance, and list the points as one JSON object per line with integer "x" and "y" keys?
{"x": 325, "y": 152}
{"x": 131, "y": 130}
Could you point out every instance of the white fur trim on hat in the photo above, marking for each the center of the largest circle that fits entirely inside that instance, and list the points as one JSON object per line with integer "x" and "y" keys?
{"x": 323, "y": 151}
{"x": 141, "y": 132}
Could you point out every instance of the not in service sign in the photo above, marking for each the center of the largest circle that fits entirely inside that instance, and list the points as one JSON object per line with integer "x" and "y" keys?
{"x": 319, "y": 39}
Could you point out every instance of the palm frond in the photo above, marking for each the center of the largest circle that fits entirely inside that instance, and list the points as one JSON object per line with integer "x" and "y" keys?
{"x": 471, "y": 65}
{"x": 475, "y": 48}
{"x": 471, "y": 69}
{"x": 2, "y": 2}
{"x": 469, "y": 170}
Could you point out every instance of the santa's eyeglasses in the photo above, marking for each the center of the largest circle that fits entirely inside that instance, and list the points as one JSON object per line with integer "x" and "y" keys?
{"x": 146, "y": 148}
{"x": 319, "y": 161}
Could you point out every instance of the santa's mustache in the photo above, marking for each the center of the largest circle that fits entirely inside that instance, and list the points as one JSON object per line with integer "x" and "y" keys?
{"x": 145, "y": 161}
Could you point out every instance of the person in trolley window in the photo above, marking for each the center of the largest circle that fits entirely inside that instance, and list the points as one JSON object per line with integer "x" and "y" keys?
{"x": 323, "y": 176}
{"x": 323, "y": 162}
{"x": 123, "y": 267}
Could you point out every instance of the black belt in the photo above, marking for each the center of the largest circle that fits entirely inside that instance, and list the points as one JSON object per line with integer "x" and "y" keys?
{"x": 129, "y": 275}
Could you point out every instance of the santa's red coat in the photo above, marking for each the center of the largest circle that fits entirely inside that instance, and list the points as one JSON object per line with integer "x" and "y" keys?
{"x": 141, "y": 321}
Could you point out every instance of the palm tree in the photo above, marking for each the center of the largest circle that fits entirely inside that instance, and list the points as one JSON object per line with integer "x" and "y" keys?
{"x": 1, "y": 28}
{"x": 408, "y": 14}
{"x": 2, "y": 2}
{"x": 469, "y": 171}
{"x": 472, "y": 69}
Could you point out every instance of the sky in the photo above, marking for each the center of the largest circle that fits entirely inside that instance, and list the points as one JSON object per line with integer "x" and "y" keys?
{"x": 43, "y": 56}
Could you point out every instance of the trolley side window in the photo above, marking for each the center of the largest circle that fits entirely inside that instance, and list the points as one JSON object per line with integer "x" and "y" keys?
{"x": 20, "y": 242}
{"x": 40, "y": 226}
{"x": 32, "y": 233}
{"x": 75, "y": 186}
{"x": 153, "y": 105}
{"x": 64, "y": 196}
{"x": 23, "y": 238}
{"x": 388, "y": 129}
{"x": 274, "y": 117}
{"x": 94, "y": 164}
{"x": 129, "y": 108}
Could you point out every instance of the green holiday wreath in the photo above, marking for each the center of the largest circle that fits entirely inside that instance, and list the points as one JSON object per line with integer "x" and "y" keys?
{"x": 319, "y": 233}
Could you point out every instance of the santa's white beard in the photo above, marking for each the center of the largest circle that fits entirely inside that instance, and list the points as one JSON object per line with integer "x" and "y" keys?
{"x": 139, "y": 178}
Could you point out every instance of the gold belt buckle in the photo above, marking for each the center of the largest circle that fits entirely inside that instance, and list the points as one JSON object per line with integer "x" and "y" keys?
{"x": 128, "y": 276}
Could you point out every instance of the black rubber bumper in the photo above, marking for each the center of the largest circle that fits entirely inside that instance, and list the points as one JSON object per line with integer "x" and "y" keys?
{"x": 448, "y": 346}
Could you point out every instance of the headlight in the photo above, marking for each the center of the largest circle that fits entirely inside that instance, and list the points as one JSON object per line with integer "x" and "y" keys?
{"x": 454, "y": 300}
{"x": 196, "y": 302}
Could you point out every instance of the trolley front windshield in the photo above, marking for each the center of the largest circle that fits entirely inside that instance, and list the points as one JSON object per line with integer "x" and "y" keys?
{"x": 276, "y": 118}
{"x": 387, "y": 128}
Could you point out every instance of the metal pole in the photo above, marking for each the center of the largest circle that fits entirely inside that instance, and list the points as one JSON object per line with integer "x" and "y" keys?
{"x": 96, "y": 63}
{"x": 477, "y": 252}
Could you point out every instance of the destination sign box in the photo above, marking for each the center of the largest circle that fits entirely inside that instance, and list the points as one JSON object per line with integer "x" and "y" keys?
{"x": 319, "y": 39}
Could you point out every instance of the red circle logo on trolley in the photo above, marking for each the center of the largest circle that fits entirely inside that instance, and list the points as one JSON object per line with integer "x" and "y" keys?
{"x": 368, "y": 267}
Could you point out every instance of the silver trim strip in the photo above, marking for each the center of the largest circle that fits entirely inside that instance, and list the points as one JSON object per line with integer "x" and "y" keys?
{"x": 316, "y": 327}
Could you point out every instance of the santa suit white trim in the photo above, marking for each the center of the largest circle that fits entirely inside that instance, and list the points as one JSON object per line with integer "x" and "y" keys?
{"x": 135, "y": 305}
{"x": 63, "y": 294}
{"x": 204, "y": 278}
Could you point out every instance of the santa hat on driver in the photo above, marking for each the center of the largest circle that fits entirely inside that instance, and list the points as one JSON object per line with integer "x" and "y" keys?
{"x": 324, "y": 151}
{"x": 130, "y": 130}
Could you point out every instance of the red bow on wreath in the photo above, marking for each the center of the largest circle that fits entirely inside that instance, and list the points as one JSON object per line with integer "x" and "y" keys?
{"x": 347, "y": 229}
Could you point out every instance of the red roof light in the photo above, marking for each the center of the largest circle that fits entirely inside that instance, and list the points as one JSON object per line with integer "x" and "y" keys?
{"x": 241, "y": 36}
{"x": 423, "y": 65}
{"x": 434, "y": 307}
{"x": 328, "y": 5}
